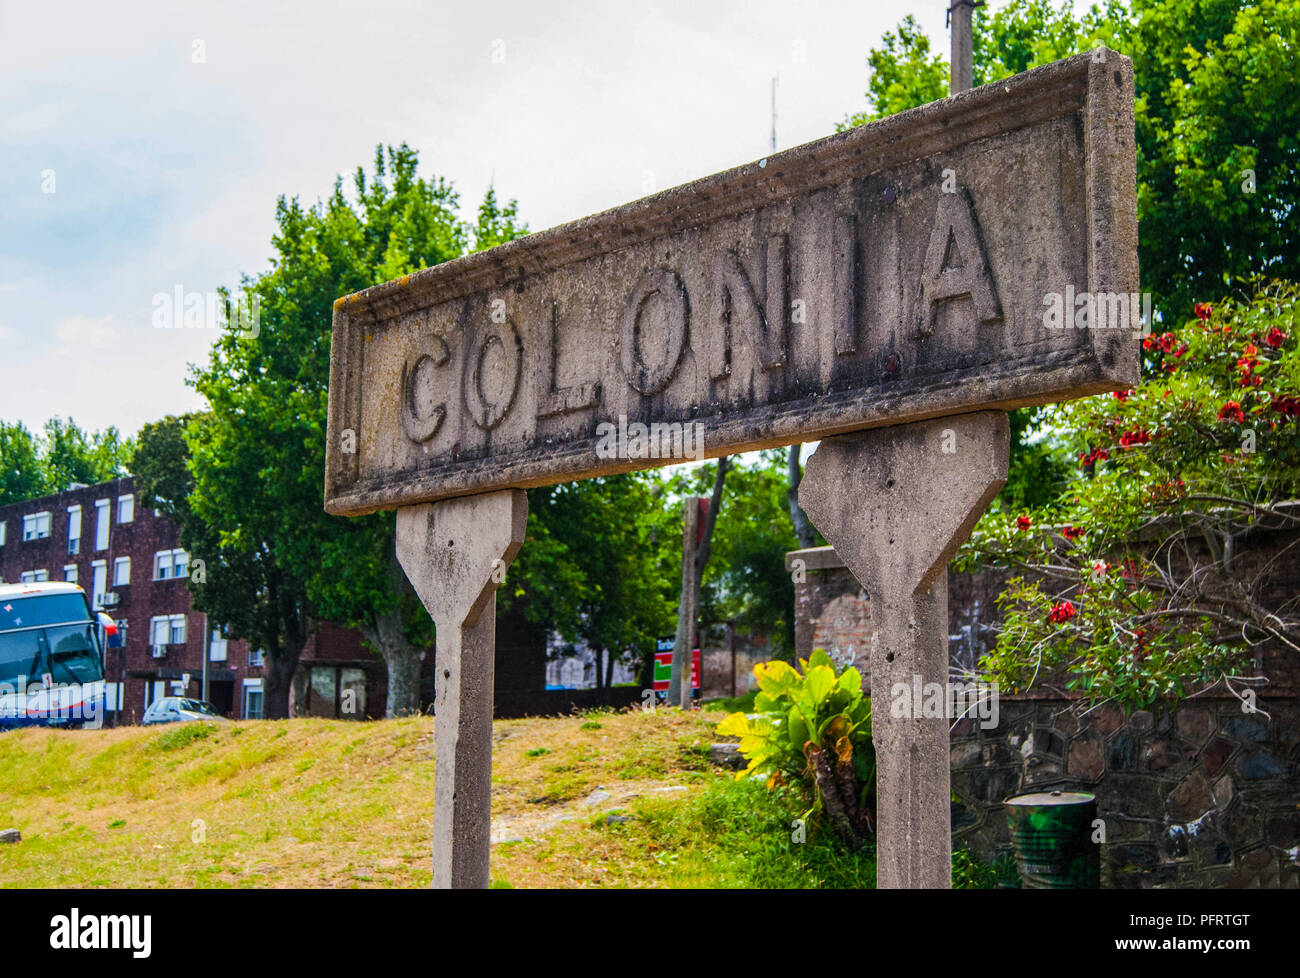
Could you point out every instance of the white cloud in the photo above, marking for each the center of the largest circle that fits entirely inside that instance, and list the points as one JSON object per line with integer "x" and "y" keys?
{"x": 81, "y": 333}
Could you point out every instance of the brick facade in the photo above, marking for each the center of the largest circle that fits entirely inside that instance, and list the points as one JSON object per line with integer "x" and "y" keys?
{"x": 141, "y": 670}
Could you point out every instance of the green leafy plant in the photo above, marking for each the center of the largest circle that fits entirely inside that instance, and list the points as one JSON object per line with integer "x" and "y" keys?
{"x": 812, "y": 729}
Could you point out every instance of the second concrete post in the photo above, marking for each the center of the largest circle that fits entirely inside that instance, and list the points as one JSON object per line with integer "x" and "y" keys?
{"x": 896, "y": 503}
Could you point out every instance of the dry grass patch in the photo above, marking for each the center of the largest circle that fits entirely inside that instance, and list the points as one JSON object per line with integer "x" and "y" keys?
{"x": 311, "y": 802}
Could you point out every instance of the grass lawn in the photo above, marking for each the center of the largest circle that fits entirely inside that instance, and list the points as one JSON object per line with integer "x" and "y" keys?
{"x": 602, "y": 799}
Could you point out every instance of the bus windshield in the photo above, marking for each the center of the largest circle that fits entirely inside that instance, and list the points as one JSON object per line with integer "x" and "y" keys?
{"x": 50, "y": 634}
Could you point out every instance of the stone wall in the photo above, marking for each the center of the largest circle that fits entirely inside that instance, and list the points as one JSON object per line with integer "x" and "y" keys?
{"x": 1203, "y": 795}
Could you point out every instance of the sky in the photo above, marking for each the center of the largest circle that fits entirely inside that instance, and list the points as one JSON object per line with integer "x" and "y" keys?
{"x": 143, "y": 145}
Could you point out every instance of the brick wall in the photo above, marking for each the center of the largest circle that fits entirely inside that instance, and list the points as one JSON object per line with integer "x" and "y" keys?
{"x": 331, "y": 659}
{"x": 134, "y": 667}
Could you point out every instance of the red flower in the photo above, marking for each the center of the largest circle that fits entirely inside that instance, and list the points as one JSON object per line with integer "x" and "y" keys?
{"x": 1202, "y": 310}
{"x": 1024, "y": 522}
{"x": 1121, "y": 396}
{"x": 1072, "y": 532}
{"x": 1137, "y": 436}
{"x": 1275, "y": 337}
{"x": 1061, "y": 612}
{"x": 1231, "y": 411}
{"x": 1288, "y": 405}
{"x": 1140, "y": 647}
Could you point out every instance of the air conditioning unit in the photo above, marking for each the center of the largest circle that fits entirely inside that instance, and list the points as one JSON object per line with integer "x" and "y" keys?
{"x": 158, "y": 651}
{"x": 109, "y": 600}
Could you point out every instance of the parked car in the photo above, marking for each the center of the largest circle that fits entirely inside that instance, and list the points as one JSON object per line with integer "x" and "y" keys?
{"x": 178, "y": 709}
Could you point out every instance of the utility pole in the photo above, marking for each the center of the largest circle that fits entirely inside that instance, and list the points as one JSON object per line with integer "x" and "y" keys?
{"x": 773, "y": 113}
{"x": 959, "y": 17}
{"x": 679, "y": 679}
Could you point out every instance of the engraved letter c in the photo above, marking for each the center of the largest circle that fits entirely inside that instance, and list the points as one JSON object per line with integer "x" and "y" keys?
{"x": 421, "y": 428}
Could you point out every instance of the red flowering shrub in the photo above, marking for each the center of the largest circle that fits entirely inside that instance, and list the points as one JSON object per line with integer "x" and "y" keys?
{"x": 1195, "y": 453}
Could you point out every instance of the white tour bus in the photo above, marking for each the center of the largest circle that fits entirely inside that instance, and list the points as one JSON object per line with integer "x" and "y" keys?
{"x": 51, "y": 657}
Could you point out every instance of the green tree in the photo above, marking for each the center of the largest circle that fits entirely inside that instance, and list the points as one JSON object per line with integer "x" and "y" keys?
{"x": 590, "y": 568}
{"x": 257, "y": 457}
{"x": 22, "y": 474}
{"x": 1218, "y": 125}
{"x": 36, "y": 465}
{"x": 744, "y": 583}
{"x": 72, "y": 455}
{"x": 496, "y": 224}
{"x": 1218, "y": 131}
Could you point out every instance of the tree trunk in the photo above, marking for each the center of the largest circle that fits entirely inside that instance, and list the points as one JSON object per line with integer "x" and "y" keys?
{"x": 403, "y": 681}
{"x": 277, "y": 679}
{"x": 286, "y": 637}
{"x": 803, "y": 530}
{"x": 609, "y": 668}
{"x": 710, "y": 521}
{"x": 387, "y": 633}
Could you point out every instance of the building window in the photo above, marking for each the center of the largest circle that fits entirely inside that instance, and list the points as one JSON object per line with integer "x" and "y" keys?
{"x": 167, "y": 630}
{"x": 74, "y": 529}
{"x": 217, "y": 650}
{"x": 99, "y": 583}
{"x": 256, "y": 657}
{"x": 101, "y": 524}
{"x": 125, "y": 508}
{"x": 33, "y": 576}
{"x": 252, "y": 699}
{"x": 121, "y": 571}
{"x": 121, "y": 630}
{"x": 168, "y": 564}
{"x": 36, "y": 526}
{"x": 2, "y": 532}
{"x": 70, "y": 573}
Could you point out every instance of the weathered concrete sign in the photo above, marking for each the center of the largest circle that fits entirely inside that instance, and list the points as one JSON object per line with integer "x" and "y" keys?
{"x": 908, "y": 269}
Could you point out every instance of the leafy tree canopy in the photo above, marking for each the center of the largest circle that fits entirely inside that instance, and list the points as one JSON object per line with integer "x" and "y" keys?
{"x": 33, "y": 465}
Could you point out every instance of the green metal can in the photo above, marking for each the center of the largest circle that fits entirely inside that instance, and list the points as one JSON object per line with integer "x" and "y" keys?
{"x": 1052, "y": 834}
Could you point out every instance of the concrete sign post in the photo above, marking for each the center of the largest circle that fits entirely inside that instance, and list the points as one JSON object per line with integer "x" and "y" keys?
{"x": 975, "y": 254}
{"x": 896, "y": 504}
{"x": 456, "y": 552}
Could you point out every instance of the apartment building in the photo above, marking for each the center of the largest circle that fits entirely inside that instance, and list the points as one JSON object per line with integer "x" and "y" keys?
{"x": 128, "y": 559}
